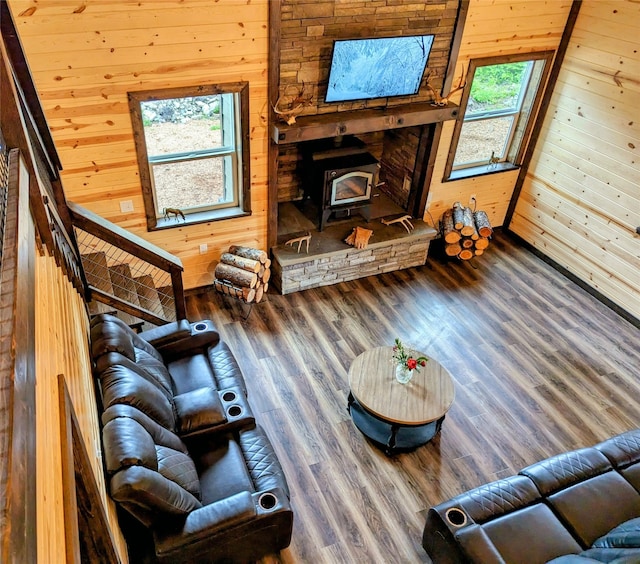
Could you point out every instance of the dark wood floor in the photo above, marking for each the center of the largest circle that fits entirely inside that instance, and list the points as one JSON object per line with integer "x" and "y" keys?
{"x": 540, "y": 367}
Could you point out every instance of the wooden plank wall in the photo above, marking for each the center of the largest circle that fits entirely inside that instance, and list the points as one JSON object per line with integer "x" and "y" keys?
{"x": 86, "y": 56}
{"x": 580, "y": 202}
{"x": 62, "y": 342}
{"x": 492, "y": 28}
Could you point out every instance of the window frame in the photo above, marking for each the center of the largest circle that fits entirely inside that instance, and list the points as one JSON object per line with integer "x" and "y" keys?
{"x": 513, "y": 159}
{"x": 242, "y": 187}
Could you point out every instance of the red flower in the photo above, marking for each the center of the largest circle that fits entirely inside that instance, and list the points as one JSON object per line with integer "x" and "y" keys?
{"x": 412, "y": 363}
{"x": 423, "y": 363}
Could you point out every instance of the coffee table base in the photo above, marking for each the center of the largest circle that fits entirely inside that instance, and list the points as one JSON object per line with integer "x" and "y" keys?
{"x": 391, "y": 437}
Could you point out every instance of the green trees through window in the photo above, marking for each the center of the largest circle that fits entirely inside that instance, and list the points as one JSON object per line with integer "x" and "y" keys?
{"x": 500, "y": 97}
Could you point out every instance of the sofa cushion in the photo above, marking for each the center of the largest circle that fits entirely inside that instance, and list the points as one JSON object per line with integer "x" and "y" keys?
{"x": 192, "y": 373}
{"x": 127, "y": 443}
{"x": 154, "y": 367}
{"x": 626, "y": 535}
{"x": 149, "y": 495}
{"x": 120, "y": 385}
{"x": 217, "y": 369}
{"x": 624, "y": 453}
{"x": 498, "y": 498}
{"x": 198, "y": 409}
{"x": 157, "y": 376}
{"x": 600, "y": 555}
{"x": 178, "y": 467}
{"x": 534, "y": 531}
{"x": 632, "y": 475}
{"x": 592, "y": 506}
{"x": 613, "y": 555}
{"x": 110, "y": 334}
{"x": 221, "y": 468}
{"x": 565, "y": 469}
{"x": 622, "y": 450}
{"x": 159, "y": 434}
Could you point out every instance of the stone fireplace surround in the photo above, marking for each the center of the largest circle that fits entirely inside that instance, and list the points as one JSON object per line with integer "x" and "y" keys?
{"x": 396, "y": 131}
{"x": 330, "y": 260}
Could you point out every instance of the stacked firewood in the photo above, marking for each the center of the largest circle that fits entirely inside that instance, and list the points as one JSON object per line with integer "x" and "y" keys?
{"x": 465, "y": 232}
{"x": 243, "y": 273}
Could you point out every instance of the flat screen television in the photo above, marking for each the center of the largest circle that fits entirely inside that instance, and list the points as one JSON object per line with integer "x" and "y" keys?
{"x": 362, "y": 69}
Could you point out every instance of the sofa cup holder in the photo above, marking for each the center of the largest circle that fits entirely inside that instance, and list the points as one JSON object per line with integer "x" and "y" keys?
{"x": 456, "y": 517}
{"x": 268, "y": 501}
{"x": 229, "y": 396}
{"x": 199, "y": 327}
{"x": 234, "y": 411}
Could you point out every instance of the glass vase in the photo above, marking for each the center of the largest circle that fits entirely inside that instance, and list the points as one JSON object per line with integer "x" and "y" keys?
{"x": 403, "y": 374}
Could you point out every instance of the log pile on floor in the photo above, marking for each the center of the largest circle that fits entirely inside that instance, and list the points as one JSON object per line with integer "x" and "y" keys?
{"x": 243, "y": 273}
{"x": 466, "y": 233}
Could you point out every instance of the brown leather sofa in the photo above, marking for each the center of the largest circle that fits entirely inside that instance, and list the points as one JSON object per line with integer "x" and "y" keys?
{"x": 183, "y": 453}
{"x": 578, "y": 507}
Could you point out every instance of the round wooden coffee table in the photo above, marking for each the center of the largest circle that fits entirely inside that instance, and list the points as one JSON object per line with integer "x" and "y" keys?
{"x": 397, "y": 416}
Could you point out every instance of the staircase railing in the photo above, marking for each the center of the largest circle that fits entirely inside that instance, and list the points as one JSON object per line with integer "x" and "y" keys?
{"x": 126, "y": 272}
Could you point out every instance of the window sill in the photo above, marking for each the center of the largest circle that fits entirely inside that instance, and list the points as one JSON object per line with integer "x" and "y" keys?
{"x": 480, "y": 171}
{"x": 199, "y": 217}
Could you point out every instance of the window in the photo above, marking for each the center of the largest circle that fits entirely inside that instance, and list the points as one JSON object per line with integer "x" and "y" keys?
{"x": 193, "y": 153}
{"x": 501, "y": 96}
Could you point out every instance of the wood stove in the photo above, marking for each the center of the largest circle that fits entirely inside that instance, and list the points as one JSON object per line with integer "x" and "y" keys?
{"x": 340, "y": 180}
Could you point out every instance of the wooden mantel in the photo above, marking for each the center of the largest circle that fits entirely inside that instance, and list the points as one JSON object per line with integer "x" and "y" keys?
{"x": 309, "y": 128}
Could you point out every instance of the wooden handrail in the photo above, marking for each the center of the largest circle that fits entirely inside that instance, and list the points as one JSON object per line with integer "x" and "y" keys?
{"x": 138, "y": 247}
{"x": 125, "y": 240}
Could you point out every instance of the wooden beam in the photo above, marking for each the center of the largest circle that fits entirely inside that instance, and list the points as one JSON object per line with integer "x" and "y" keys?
{"x": 309, "y": 128}
{"x": 275, "y": 7}
{"x": 17, "y": 373}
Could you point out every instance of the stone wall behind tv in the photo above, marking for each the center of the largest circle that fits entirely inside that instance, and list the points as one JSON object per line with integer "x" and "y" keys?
{"x": 309, "y": 27}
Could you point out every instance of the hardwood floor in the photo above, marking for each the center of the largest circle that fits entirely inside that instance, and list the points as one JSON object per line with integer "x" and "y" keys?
{"x": 540, "y": 367}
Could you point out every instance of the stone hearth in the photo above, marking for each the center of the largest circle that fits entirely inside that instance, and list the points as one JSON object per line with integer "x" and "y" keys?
{"x": 330, "y": 260}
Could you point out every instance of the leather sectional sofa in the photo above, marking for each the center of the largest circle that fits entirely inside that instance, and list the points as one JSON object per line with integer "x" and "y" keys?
{"x": 183, "y": 453}
{"x": 579, "y": 507}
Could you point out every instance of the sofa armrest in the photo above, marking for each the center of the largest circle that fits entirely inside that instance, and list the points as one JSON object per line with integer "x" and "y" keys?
{"x": 205, "y": 410}
{"x": 164, "y": 334}
{"x": 207, "y": 529}
{"x": 203, "y": 523}
{"x": 202, "y": 334}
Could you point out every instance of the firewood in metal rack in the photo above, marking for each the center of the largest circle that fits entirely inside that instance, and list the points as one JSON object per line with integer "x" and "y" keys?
{"x": 404, "y": 220}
